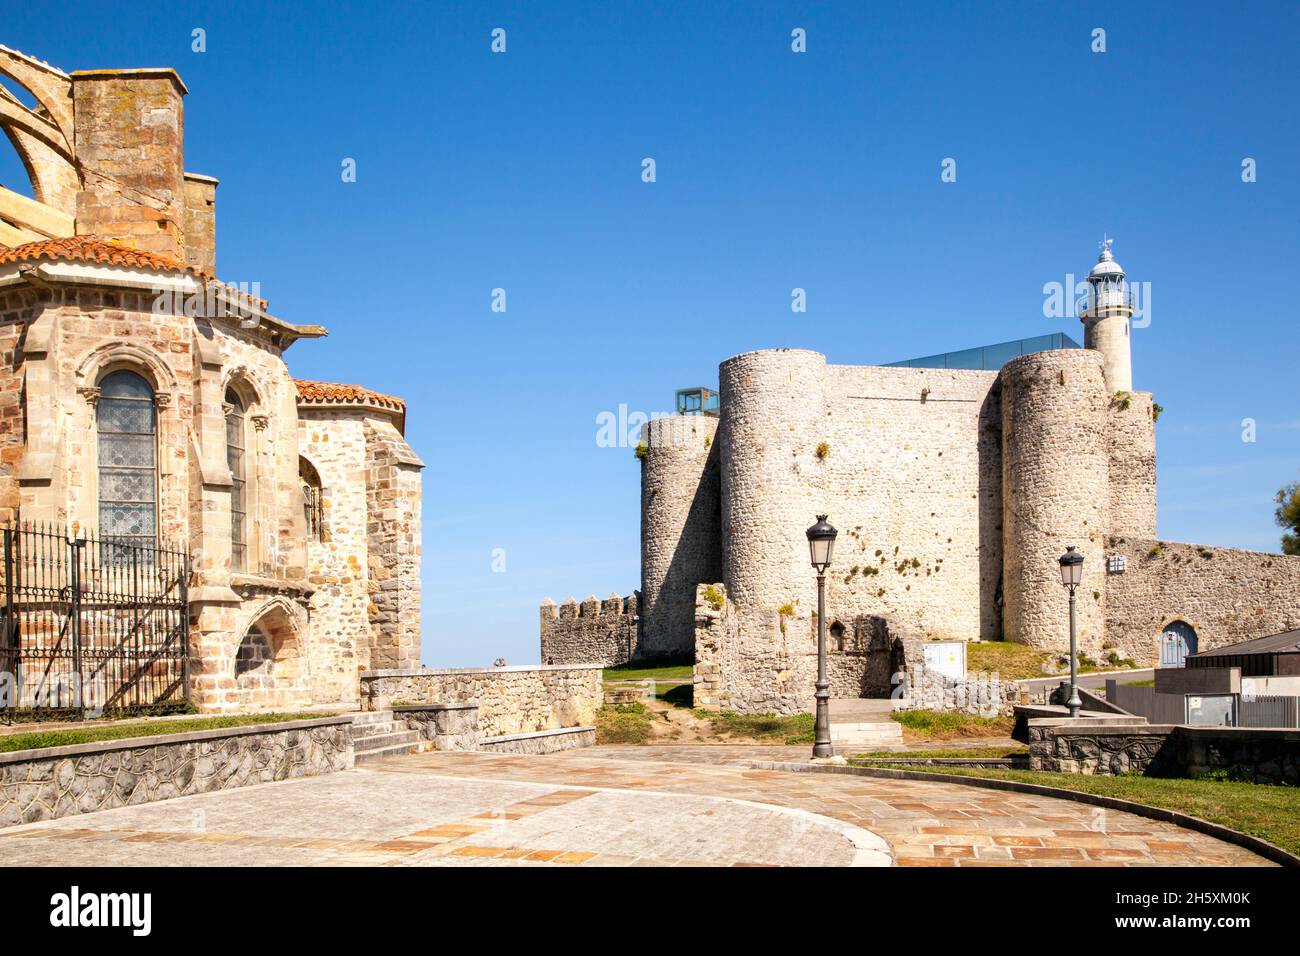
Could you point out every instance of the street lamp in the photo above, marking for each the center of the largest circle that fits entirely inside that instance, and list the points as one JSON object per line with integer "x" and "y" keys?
{"x": 821, "y": 542}
{"x": 1072, "y": 577}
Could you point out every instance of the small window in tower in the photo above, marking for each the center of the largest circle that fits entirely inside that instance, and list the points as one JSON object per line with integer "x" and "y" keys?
{"x": 313, "y": 502}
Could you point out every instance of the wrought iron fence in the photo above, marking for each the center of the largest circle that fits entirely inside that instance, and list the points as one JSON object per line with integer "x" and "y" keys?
{"x": 91, "y": 625}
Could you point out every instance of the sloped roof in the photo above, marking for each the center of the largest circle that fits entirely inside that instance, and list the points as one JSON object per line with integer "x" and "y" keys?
{"x": 91, "y": 249}
{"x": 1288, "y": 642}
{"x": 326, "y": 393}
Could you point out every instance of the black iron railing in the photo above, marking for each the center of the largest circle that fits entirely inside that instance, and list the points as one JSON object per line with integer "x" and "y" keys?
{"x": 92, "y": 625}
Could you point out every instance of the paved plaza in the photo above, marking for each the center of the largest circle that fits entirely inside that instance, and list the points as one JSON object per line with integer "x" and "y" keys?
{"x": 610, "y": 806}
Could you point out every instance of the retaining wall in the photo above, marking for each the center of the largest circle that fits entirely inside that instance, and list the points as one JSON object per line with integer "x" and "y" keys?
{"x": 61, "y": 781}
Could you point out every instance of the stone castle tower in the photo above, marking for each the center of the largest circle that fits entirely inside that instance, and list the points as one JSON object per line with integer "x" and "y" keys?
{"x": 955, "y": 492}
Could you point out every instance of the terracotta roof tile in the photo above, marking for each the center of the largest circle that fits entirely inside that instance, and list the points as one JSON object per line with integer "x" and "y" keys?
{"x": 326, "y": 392}
{"x": 91, "y": 249}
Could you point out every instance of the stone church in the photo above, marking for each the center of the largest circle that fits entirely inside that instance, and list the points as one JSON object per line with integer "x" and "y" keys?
{"x": 146, "y": 404}
{"x": 955, "y": 491}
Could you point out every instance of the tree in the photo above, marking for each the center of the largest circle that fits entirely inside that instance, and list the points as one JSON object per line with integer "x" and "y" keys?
{"x": 1288, "y": 516}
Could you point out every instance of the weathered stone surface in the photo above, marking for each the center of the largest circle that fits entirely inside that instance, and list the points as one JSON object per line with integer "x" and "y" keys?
{"x": 108, "y": 780}
{"x": 511, "y": 700}
{"x": 594, "y": 632}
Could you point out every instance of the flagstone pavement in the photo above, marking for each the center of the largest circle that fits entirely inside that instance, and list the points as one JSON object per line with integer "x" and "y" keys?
{"x": 610, "y": 806}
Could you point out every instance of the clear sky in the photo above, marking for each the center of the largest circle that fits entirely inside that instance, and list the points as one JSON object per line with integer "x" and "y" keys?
{"x": 774, "y": 170}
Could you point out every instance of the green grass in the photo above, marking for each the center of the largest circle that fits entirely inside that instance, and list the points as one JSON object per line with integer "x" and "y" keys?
{"x": 1012, "y": 661}
{"x": 85, "y": 735}
{"x": 623, "y": 724}
{"x": 791, "y": 729}
{"x": 938, "y": 753}
{"x": 1271, "y": 813}
{"x": 678, "y": 672}
{"x": 941, "y": 725}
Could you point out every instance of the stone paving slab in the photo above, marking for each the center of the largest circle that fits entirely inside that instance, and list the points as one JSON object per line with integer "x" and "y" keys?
{"x": 926, "y": 824}
{"x": 363, "y": 817}
{"x": 609, "y": 806}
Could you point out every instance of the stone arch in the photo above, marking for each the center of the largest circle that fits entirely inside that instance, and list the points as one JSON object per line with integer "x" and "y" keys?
{"x": 42, "y": 134}
{"x": 270, "y": 662}
{"x": 1178, "y": 638}
{"x": 313, "y": 495}
{"x": 113, "y": 356}
{"x": 838, "y": 637}
{"x": 247, "y": 383}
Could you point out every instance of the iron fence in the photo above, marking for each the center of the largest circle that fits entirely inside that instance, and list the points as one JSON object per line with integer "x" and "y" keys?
{"x": 92, "y": 625}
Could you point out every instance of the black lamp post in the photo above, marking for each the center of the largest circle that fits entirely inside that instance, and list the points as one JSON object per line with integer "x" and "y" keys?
{"x": 821, "y": 542}
{"x": 1072, "y": 577}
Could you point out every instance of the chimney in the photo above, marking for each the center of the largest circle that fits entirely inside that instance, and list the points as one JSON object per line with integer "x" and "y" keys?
{"x": 201, "y": 222}
{"x": 130, "y": 143}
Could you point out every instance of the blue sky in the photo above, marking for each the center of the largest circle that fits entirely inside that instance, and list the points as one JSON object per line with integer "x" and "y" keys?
{"x": 775, "y": 170}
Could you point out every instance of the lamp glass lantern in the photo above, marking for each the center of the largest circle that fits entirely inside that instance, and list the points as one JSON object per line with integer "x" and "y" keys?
{"x": 821, "y": 543}
{"x": 1071, "y": 568}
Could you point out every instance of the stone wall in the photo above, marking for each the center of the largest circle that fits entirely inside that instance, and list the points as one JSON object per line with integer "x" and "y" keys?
{"x": 1162, "y": 750}
{"x": 1056, "y": 487}
{"x": 61, "y": 781}
{"x": 394, "y": 520}
{"x": 1227, "y": 595}
{"x": 511, "y": 700}
{"x": 681, "y": 535}
{"x": 593, "y": 632}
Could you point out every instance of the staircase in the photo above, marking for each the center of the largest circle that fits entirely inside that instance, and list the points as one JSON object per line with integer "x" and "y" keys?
{"x": 859, "y": 725}
{"x": 377, "y": 736}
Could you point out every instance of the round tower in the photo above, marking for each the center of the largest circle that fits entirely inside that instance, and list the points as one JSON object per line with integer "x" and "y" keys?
{"x": 1055, "y": 493}
{"x": 773, "y": 417}
{"x": 681, "y": 545}
{"x": 1105, "y": 312}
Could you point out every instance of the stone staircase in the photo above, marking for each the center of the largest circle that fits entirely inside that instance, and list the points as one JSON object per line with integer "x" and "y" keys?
{"x": 377, "y": 736}
{"x": 859, "y": 725}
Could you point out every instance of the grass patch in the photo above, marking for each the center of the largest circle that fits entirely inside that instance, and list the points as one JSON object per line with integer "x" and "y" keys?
{"x": 1271, "y": 813}
{"x": 940, "y": 753}
{"x": 86, "y": 735}
{"x": 1139, "y": 683}
{"x": 674, "y": 672}
{"x": 791, "y": 729}
{"x": 942, "y": 725}
{"x": 1009, "y": 660}
{"x": 623, "y": 724}
{"x": 678, "y": 695}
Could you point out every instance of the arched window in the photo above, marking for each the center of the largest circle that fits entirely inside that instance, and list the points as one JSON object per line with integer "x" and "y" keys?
{"x": 235, "y": 444}
{"x": 128, "y": 460}
{"x": 312, "y": 502}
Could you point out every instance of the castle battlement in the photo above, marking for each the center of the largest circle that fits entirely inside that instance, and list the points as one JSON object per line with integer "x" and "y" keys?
{"x": 593, "y": 632}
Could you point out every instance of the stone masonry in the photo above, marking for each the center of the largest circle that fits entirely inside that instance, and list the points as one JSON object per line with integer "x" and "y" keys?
{"x": 955, "y": 492}
{"x": 290, "y": 614}
{"x": 593, "y": 632}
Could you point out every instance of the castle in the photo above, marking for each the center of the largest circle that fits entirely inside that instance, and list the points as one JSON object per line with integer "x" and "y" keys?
{"x": 149, "y": 406}
{"x": 954, "y": 491}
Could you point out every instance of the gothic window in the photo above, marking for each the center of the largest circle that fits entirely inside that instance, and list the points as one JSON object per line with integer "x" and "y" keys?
{"x": 312, "y": 503}
{"x": 235, "y": 451}
{"x": 128, "y": 455}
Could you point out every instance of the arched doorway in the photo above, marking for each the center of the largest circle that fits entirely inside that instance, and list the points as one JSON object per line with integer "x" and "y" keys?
{"x": 1176, "y": 643}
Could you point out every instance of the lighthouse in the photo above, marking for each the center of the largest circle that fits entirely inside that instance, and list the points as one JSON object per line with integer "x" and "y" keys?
{"x": 1106, "y": 311}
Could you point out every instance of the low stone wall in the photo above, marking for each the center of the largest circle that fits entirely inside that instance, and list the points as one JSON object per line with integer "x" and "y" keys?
{"x": 446, "y": 726}
{"x": 1161, "y": 750}
{"x": 593, "y": 632}
{"x": 983, "y": 694}
{"x": 511, "y": 700}
{"x": 61, "y": 781}
{"x": 545, "y": 742}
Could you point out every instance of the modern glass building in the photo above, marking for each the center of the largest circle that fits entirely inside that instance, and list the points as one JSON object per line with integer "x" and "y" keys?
{"x": 990, "y": 358}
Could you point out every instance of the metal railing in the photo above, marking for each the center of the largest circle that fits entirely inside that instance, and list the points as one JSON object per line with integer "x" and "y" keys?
{"x": 91, "y": 625}
{"x": 1100, "y": 302}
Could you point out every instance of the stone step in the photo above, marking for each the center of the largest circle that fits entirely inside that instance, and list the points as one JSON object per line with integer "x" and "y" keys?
{"x": 383, "y": 753}
{"x": 867, "y": 734}
{"x": 378, "y": 727}
{"x": 363, "y": 717}
{"x": 383, "y": 741}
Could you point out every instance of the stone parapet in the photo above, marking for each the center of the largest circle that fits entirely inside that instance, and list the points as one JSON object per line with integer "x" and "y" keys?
{"x": 511, "y": 700}
{"x": 61, "y": 781}
{"x": 593, "y": 632}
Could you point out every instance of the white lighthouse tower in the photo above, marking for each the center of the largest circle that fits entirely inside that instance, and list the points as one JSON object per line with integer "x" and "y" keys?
{"x": 1105, "y": 312}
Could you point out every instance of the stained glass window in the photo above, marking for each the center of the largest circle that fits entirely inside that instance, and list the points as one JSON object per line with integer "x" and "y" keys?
{"x": 238, "y": 497}
{"x": 128, "y": 448}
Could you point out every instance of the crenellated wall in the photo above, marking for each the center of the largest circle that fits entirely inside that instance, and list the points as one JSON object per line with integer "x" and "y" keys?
{"x": 593, "y": 632}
